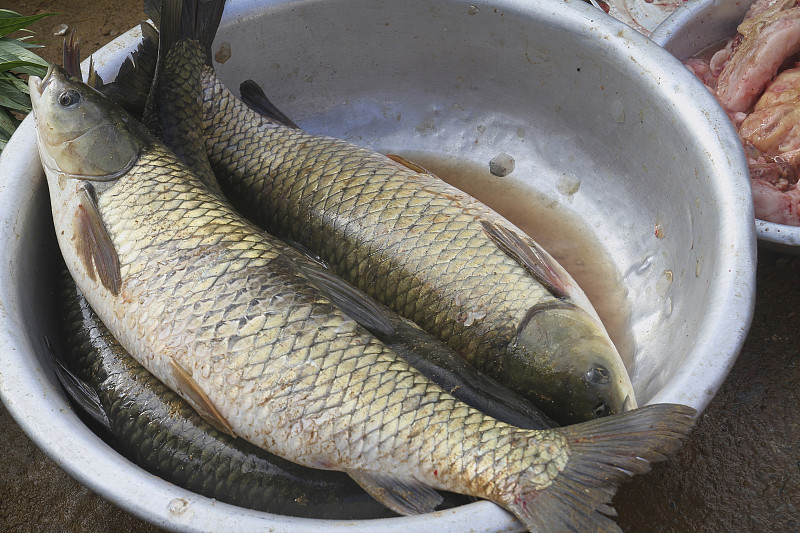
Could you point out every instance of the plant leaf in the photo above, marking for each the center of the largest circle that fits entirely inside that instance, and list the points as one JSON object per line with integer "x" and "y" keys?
{"x": 11, "y": 50}
{"x": 11, "y": 24}
{"x": 7, "y": 124}
{"x": 12, "y": 97}
{"x": 19, "y": 65}
{"x": 22, "y": 41}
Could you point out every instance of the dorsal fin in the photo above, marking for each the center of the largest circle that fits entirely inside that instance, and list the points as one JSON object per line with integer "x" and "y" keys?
{"x": 530, "y": 256}
{"x": 419, "y": 169}
{"x": 252, "y": 95}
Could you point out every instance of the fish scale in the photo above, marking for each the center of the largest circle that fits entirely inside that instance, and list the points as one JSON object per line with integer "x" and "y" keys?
{"x": 178, "y": 308}
{"x": 439, "y": 230}
{"x": 305, "y": 368}
{"x": 161, "y": 433}
{"x": 420, "y": 247}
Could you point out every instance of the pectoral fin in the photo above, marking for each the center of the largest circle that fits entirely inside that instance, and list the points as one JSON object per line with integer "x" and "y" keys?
{"x": 530, "y": 256}
{"x": 403, "y": 496}
{"x": 353, "y": 302}
{"x": 198, "y": 399}
{"x": 82, "y": 394}
{"x": 93, "y": 243}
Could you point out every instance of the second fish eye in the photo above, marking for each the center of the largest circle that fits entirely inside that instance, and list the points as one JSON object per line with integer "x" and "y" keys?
{"x": 69, "y": 98}
{"x": 598, "y": 375}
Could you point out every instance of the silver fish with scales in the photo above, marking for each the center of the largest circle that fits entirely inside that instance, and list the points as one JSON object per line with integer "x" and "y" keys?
{"x": 214, "y": 308}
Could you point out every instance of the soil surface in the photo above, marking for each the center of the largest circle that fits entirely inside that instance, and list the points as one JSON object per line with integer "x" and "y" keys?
{"x": 738, "y": 471}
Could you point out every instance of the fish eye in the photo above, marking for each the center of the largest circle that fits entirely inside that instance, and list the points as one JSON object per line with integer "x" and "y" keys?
{"x": 599, "y": 375}
{"x": 69, "y": 98}
{"x": 601, "y": 410}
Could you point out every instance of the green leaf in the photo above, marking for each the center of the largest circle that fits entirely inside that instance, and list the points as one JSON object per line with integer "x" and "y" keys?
{"x": 15, "y": 81}
{"x": 12, "y": 97}
{"x": 11, "y": 51}
{"x": 13, "y": 23}
{"x": 17, "y": 66}
{"x": 22, "y": 42}
{"x": 7, "y": 123}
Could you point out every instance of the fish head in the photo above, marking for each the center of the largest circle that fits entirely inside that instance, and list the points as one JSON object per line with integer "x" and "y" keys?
{"x": 74, "y": 120}
{"x": 582, "y": 374}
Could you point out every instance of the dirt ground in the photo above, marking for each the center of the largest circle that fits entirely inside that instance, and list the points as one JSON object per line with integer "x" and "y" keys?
{"x": 96, "y": 22}
{"x": 739, "y": 470}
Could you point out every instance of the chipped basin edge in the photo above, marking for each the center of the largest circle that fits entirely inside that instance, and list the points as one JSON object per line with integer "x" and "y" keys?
{"x": 692, "y": 27}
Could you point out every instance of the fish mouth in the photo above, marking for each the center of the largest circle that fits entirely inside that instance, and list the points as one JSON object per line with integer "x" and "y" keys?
{"x": 37, "y": 85}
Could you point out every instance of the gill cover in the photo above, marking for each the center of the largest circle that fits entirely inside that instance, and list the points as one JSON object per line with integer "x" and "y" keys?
{"x": 81, "y": 134}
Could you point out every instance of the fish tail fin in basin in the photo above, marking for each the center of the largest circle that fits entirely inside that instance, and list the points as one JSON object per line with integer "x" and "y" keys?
{"x": 602, "y": 454}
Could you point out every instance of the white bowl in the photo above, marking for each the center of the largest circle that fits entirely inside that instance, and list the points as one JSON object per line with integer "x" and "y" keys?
{"x": 617, "y": 147}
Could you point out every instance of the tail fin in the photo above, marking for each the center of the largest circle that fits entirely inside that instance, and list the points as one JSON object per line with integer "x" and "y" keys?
{"x": 132, "y": 83}
{"x": 603, "y": 453}
{"x": 186, "y": 19}
{"x": 173, "y": 110}
{"x": 200, "y": 20}
{"x": 72, "y": 56}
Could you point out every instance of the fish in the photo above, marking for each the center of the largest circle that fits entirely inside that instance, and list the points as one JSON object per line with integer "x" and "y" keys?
{"x": 423, "y": 248}
{"x": 157, "y": 430}
{"x": 174, "y": 108}
{"x": 172, "y": 112}
{"x": 546, "y": 342}
{"x": 207, "y": 303}
{"x": 769, "y": 38}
